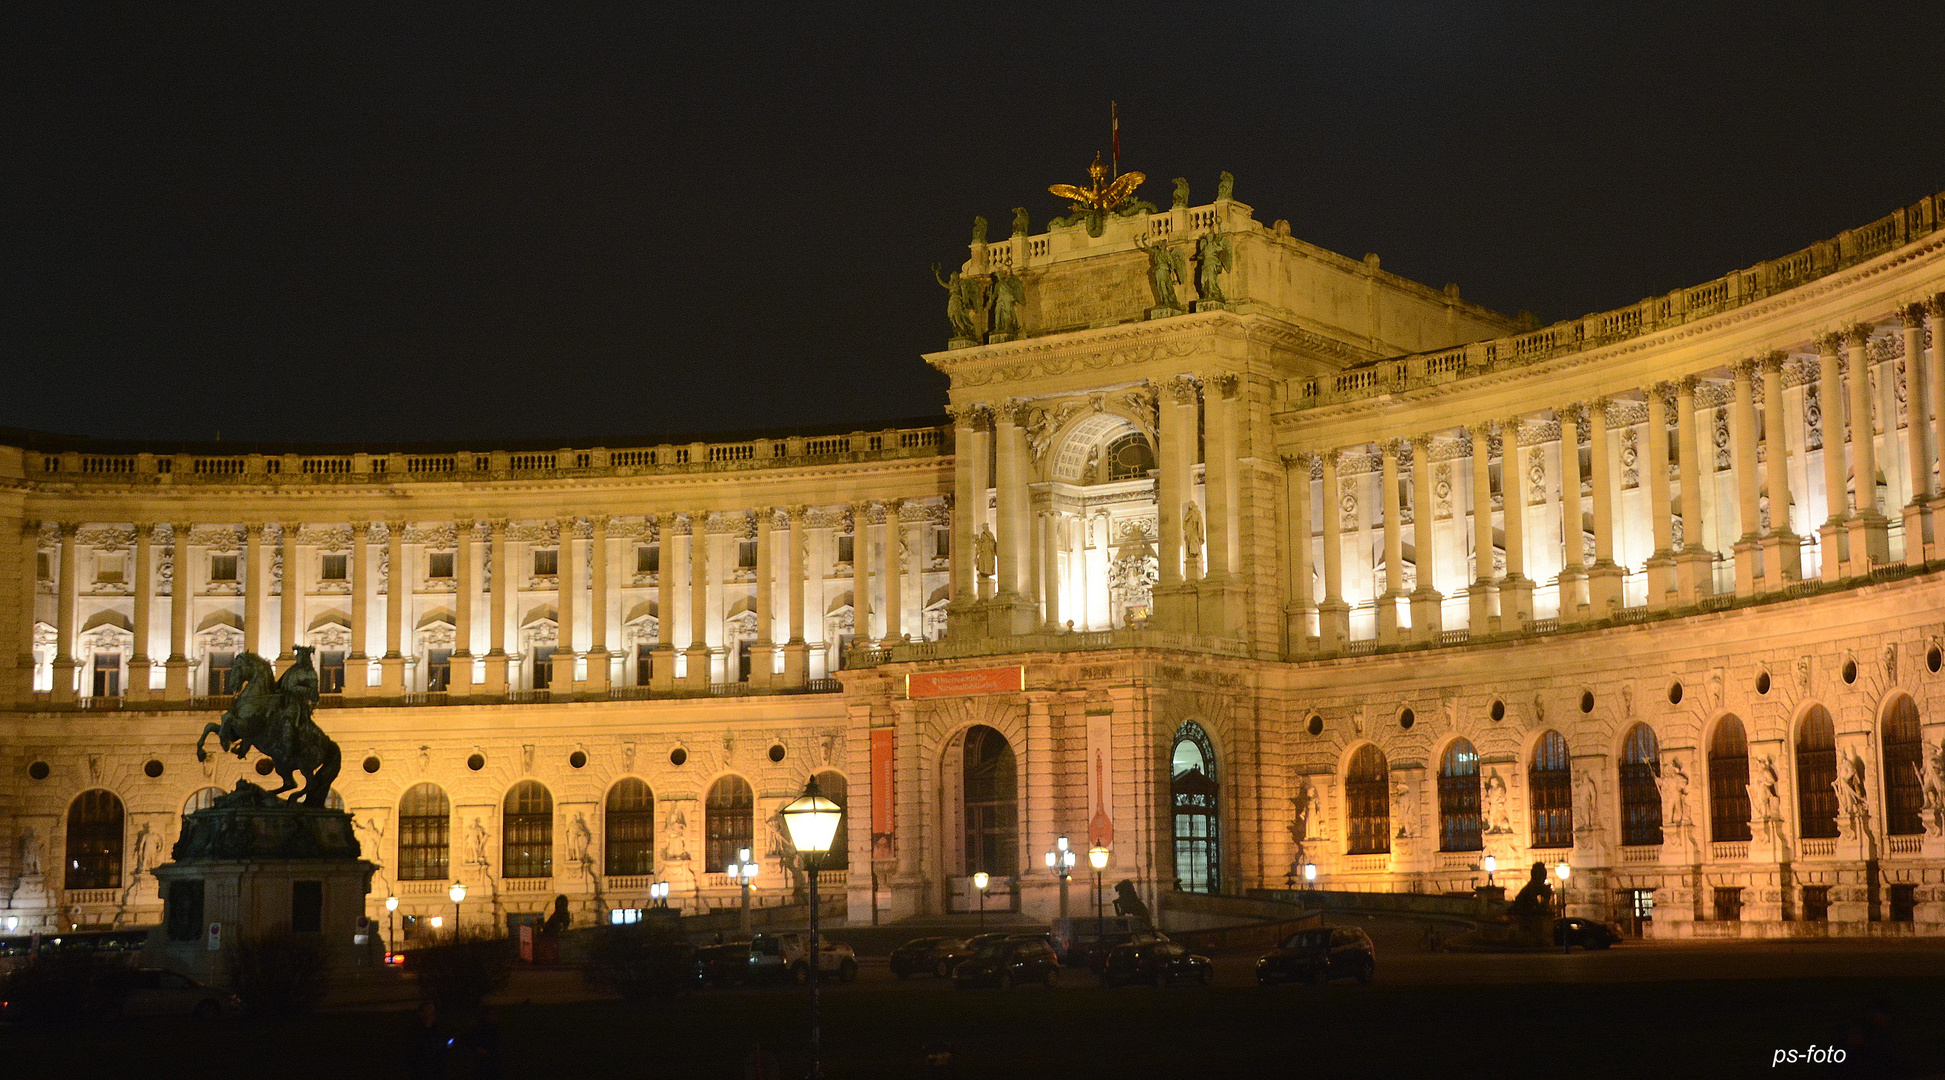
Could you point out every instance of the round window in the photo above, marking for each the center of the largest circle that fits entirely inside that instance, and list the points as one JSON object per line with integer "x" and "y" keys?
{"x": 153, "y": 769}
{"x": 1406, "y": 719}
{"x": 476, "y": 762}
{"x": 1586, "y": 701}
{"x": 263, "y": 766}
{"x": 1934, "y": 658}
{"x": 1850, "y": 671}
{"x": 1498, "y": 711}
{"x": 371, "y": 764}
{"x": 577, "y": 759}
{"x": 1762, "y": 682}
{"x": 1674, "y": 693}
{"x": 1315, "y": 726}
{"x": 776, "y": 752}
{"x": 38, "y": 770}
{"x": 678, "y": 755}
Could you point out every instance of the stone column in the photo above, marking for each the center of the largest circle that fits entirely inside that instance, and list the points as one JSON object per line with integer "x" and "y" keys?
{"x": 894, "y": 571}
{"x": 1174, "y": 604}
{"x": 1480, "y": 594}
{"x": 978, "y": 514}
{"x": 566, "y": 595}
{"x": 1782, "y": 551}
{"x": 796, "y": 653}
{"x": 861, "y": 573}
{"x": 496, "y": 610}
{"x": 1219, "y": 475}
{"x": 357, "y": 665}
{"x": 1301, "y": 604}
{"x": 1743, "y": 424}
{"x": 1917, "y": 512}
{"x": 175, "y": 675}
{"x": 762, "y": 650}
{"x": 1694, "y": 564}
{"x": 661, "y": 678}
{"x": 1870, "y": 536}
{"x": 1333, "y": 615}
{"x": 1051, "y": 522}
{"x": 140, "y": 661}
{"x": 463, "y": 587}
{"x": 1516, "y": 591}
{"x": 1831, "y": 536}
{"x": 1604, "y": 577}
{"x": 1573, "y": 555}
{"x": 1425, "y": 598}
{"x": 290, "y": 595}
{"x": 66, "y": 593}
{"x": 697, "y": 677}
{"x": 600, "y": 607}
{"x": 398, "y": 596}
{"x": 1017, "y": 613}
{"x": 965, "y": 500}
{"x": 1935, "y": 405}
{"x": 254, "y": 583}
{"x": 1394, "y": 554}
{"x": 1661, "y": 564}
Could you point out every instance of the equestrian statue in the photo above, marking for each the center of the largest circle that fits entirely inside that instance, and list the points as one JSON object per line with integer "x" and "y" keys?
{"x": 273, "y": 716}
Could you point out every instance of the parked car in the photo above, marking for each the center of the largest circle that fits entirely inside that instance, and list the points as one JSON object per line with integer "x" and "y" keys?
{"x": 1586, "y": 933}
{"x": 967, "y": 950}
{"x": 1093, "y": 955}
{"x": 1155, "y": 963}
{"x": 925, "y": 956}
{"x": 154, "y": 992}
{"x": 740, "y": 963}
{"x": 1319, "y": 955}
{"x": 833, "y": 958}
{"x": 1010, "y": 962}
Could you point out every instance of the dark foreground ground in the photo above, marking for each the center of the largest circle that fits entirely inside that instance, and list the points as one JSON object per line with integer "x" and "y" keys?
{"x": 1638, "y": 1011}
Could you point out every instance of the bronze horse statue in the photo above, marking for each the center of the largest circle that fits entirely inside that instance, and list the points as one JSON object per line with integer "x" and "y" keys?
{"x": 273, "y": 716}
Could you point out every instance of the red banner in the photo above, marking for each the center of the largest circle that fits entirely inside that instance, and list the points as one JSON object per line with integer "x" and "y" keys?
{"x": 963, "y": 683}
{"x": 881, "y": 786}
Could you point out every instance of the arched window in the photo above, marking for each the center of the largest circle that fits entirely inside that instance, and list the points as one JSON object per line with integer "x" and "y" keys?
{"x": 424, "y": 834}
{"x": 992, "y": 804}
{"x": 629, "y": 830}
{"x": 1550, "y": 783}
{"x": 1367, "y": 801}
{"x": 1904, "y": 750}
{"x": 1640, "y": 796}
{"x": 1129, "y": 457}
{"x": 833, "y": 787}
{"x": 1198, "y": 822}
{"x": 95, "y": 841}
{"x": 727, "y": 822}
{"x": 527, "y": 832}
{"x": 201, "y": 799}
{"x": 1816, "y": 775}
{"x": 1458, "y": 798}
{"x": 1728, "y": 782}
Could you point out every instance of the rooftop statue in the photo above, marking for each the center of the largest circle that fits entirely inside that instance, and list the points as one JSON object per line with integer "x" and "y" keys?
{"x": 1009, "y": 292}
{"x": 1225, "y": 186}
{"x": 273, "y": 716}
{"x": 1181, "y": 193}
{"x": 965, "y": 294}
{"x": 1022, "y": 224}
{"x": 1214, "y": 255}
{"x": 1103, "y": 196}
{"x": 979, "y": 230}
{"x": 1166, "y": 269}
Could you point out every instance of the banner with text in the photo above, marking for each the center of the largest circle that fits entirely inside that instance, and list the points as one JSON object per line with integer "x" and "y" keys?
{"x": 881, "y": 793}
{"x": 964, "y": 683}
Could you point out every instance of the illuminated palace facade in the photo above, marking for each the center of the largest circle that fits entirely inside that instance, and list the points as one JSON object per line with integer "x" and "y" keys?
{"x": 1234, "y": 554}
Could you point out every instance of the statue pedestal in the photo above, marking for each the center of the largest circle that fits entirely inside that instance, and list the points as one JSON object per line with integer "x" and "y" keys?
{"x": 32, "y": 905}
{"x": 254, "y": 868}
{"x": 1163, "y": 312}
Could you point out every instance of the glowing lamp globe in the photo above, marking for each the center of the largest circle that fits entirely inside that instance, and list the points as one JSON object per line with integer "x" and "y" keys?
{"x": 457, "y": 892}
{"x": 1564, "y": 871}
{"x": 1310, "y": 871}
{"x": 980, "y": 879}
{"x": 391, "y": 903}
{"x": 812, "y": 820}
{"x": 1490, "y": 864}
{"x": 1097, "y": 857}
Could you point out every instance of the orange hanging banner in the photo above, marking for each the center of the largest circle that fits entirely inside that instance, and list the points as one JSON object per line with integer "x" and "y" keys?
{"x": 882, "y": 794}
{"x": 963, "y": 683}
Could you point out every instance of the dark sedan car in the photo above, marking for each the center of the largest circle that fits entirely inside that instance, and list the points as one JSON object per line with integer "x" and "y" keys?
{"x": 1586, "y": 933}
{"x": 926, "y": 956}
{"x": 1318, "y": 956}
{"x": 952, "y": 958}
{"x": 1008, "y": 963}
{"x": 1155, "y": 963}
{"x": 749, "y": 962}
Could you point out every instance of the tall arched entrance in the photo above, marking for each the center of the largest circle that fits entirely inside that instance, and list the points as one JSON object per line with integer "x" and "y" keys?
{"x": 1198, "y": 823}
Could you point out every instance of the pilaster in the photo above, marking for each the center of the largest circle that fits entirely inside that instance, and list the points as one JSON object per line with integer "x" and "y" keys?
{"x": 1870, "y": 538}
{"x": 175, "y": 685}
{"x": 1782, "y": 550}
{"x": 1604, "y": 577}
{"x": 1425, "y": 598}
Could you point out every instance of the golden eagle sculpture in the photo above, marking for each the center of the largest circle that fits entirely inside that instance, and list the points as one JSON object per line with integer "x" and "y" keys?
{"x": 1102, "y": 195}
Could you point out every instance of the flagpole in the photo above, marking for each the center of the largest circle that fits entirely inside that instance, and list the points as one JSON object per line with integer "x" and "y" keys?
{"x": 1114, "y": 135}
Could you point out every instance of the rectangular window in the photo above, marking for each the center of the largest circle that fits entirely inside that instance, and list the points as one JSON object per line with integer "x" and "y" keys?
{"x": 334, "y": 568}
{"x": 221, "y": 664}
{"x": 942, "y": 543}
{"x": 108, "y": 674}
{"x": 1728, "y": 904}
{"x": 222, "y": 568}
{"x": 438, "y": 669}
{"x": 746, "y": 554}
{"x": 439, "y": 565}
{"x": 546, "y": 563}
{"x": 330, "y": 672}
{"x": 306, "y": 907}
{"x": 648, "y": 559}
{"x": 644, "y": 664}
{"x": 43, "y": 567}
{"x": 543, "y": 666}
{"x": 111, "y": 569}
{"x": 1642, "y": 903}
{"x": 1816, "y": 903}
{"x": 844, "y": 549}
{"x": 1904, "y": 903}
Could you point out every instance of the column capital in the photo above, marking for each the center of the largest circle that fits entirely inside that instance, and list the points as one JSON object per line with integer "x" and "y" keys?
{"x": 290, "y": 530}
{"x": 1013, "y": 411}
{"x": 1685, "y": 386}
{"x": 1773, "y": 360}
{"x": 462, "y": 526}
{"x": 67, "y": 529}
{"x": 976, "y": 416}
{"x": 1746, "y": 368}
{"x": 179, "y": 531}
{"x": 1828, "y": 344}
{"x": 1182, "y": 388}
{"x": 1389, "y": 448}
{"x": 1913, "y": 315}
{"x": 600, "y": 522}
{"x": 1573, "y": 410}
{"x": 1857, "y": 335}
{"x": 1421, "y": 443}
{"x": 143, "y": 529}
{"x": 1227, "y": 383}
{"x": 1935, "y": 307}
{"x": 360, "y": 528}
{"x": 796, "y": 513}
{"x": 498, "y": 525}
{"x": 1484, "y": 429}
{"x": 254, "y": 529}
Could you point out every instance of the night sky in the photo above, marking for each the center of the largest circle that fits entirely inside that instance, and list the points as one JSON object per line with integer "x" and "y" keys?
{"x": 490, "y": 222}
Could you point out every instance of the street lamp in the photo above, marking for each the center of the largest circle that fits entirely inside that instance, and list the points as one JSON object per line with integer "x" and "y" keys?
{"x": 979, "y": 882}
{"x": 743, "y": 872}
{"x": 391, "y": 925}
{"x": 1563, "y": 871}
{"x": 1310, "y": 875}
{"x": 812, "y": 821}
{"x": 1489, "y": 864}
{"x": 458, "y": 893}
{"x": 1061, "y": 861}
{"x": 659, "y": 893}
{"x": 1097, "y": 857}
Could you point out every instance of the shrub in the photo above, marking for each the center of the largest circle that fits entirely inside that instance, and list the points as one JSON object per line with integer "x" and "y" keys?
{"x": 460, "y": 974}
{"x": 640, "y": 960}
{"x": 283, "y": 973}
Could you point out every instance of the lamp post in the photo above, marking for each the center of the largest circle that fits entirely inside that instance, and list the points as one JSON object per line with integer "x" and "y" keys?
{"x": 743, "y": 872}
{"x": 1489, "y": 864}
{"x": 1097, "y": 857}
{"x": 1061, "y": 861}
{"x": 658, "y": 892}
{"x": 1310, "y": 875}
{"x": 391, "y": 925}
{"x": 458, "y": 893}
{"x": 979, "y": 882}
{"x": 1564, "y": 872}
{"x": 812, "y": 821}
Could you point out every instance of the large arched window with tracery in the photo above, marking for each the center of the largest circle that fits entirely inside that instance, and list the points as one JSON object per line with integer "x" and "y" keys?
{"x": 1640, "y": 794}
{"x": 1728, "y": 782}
{"x": 527, "y": 832}
{"x": 1458, "y": 798}
{"x": 1198, "y": 822}
{"x": 628, "y": 830}
{"x": 94, "y": 841}
{"x": 1550, "y": 788}
{"x": 1816, "y": 775}
{"x": 990, "y": 798}
{"x": 728, "y": 822}
{"x": 1904, "y": 754}
{"x": 1367, "y": 802}
{"x": 424, "y": 834}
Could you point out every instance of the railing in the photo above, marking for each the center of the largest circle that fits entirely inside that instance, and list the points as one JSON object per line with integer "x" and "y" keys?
{"x": 630, "y": 883}
{"x": 1368, "y": 864}
{"x": 833, "y": 879}
{"x": 433, "y": 887}
{"x": 98, "y": 464}
{"x": 521, "y": 697}
{"x": 1635, "y": 856}
{"x": 1458, "y": 860}
{"x": 1817, "y": 847}
{"x": 521, "y": 886}
{"x": 93, "y": 896}
{"x": 1729, "y": 850}
{"x": 1905, "y": 845}
{"x": 868, "y": 656}
{"x": 324, "y": 466}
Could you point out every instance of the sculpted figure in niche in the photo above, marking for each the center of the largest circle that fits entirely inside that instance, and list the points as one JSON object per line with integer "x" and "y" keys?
{"x": 1931, "y": 780}
{"x": 1769, "y": 802}
{"x": 986, "y": 552}
{"x": 1008, "y": 293}
{"x": 1850, "y": 792}
{"x": 1404, "y": 799}
{"x": 1674, "y": 810}
{"x": 1587, "y": 817}
{"x": 1167, "y": 268}
{"x": 1192, "y": 531}
{"x": 1301, "y": 803}
{"x": 29, "y": 860}
{"x": 1498, "y": 820}
{"x": 963, "y": 297}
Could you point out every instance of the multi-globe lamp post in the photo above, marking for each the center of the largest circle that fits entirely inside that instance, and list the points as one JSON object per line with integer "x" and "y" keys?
{"x": 812, "y": 822}
{"x": 658, "y": 892}
{"x": 1061, "y": 861}
{"x": 743, "y": 872}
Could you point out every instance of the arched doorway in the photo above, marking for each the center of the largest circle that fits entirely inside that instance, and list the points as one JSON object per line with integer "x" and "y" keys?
{"x": 1640, "y": 796}
{"x": 1728, "y": 782}
{"x": 1816, "y": 775}
{"x": 1904, "y": 790}
{"x": 1367, "y": 802}
{"x": 1198, "y": 823}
